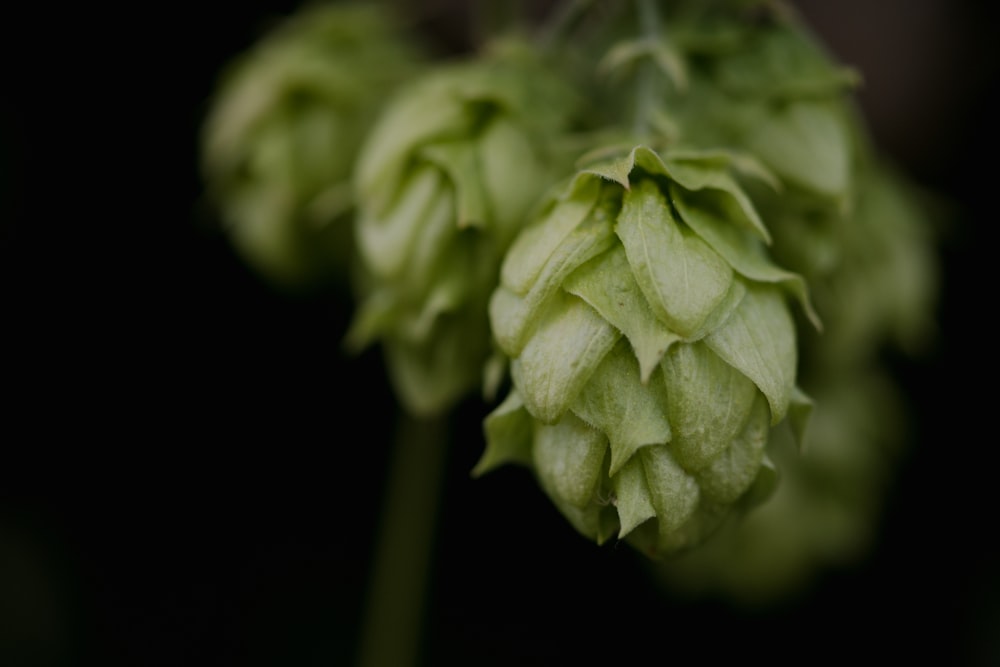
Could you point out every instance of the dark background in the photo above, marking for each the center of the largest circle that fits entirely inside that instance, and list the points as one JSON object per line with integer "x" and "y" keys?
{"x": 191, "y": 471}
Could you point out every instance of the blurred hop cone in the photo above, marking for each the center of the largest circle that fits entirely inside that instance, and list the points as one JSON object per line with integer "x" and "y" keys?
{"x": 652, "y": 348}
{"x": 283, "y": 130}
{"x": 444, "y": 181}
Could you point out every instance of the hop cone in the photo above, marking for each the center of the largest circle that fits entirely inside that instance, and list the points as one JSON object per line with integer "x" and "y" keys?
{"x": 283, "y": 130}
{"x": 652, "y": 348}
{"x": 444, "y": 182}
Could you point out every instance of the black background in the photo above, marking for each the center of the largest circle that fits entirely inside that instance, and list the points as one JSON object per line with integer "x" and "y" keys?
{"x": 191, "y": 471}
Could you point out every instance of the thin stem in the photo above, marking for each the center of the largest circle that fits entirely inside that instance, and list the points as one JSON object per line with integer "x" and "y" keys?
{"x": 393, "y": 628}
{"x": 648, "y": 85}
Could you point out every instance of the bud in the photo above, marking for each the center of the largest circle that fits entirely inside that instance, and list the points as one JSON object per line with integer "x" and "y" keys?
{"x": 443, "y": 183}
{"x": 283, "y": 130}
{"x": 652, "y": 348}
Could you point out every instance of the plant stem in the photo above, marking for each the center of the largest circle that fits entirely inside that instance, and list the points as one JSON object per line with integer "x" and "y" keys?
{"x": 648, "y": 88}
{"x": 392, "y": 625}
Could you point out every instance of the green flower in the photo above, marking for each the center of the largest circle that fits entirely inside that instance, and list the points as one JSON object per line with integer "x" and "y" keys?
{"x": 652, "y": 348}
{"x": 443, "y": 183}
{"x": 283, "y": 130}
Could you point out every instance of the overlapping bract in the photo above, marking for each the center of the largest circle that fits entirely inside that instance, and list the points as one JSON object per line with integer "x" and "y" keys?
{"x": 283, "y": 131}
{"x": 443, "y": 183}
{"x": 652, "y": 348}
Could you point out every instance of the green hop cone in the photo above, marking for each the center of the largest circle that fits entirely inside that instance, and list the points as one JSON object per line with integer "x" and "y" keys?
{"x": 443, "y": 183}
{"x": 283, "y": 130}
{"x": 652, "y": 349}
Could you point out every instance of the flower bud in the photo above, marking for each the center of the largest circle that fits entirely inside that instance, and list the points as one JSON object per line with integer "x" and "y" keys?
{"x": 283, "y": 131}
{"x": 652, "y": 348}
{"x": 443, "y": 183}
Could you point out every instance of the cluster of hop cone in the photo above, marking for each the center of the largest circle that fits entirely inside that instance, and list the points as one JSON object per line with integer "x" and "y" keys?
{"x": 654, "y": 237}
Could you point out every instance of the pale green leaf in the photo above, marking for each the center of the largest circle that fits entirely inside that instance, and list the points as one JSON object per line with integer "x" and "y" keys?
{"x": 568, "y": 458}
{"x": 673, "y": 492}
{"x": 508, "y": 430}
{"x": 683, "y": 279}
{"x": 514, "y": 175}
{"x": 535, "y": 244}
{"x": 731, "y": 473}
{"x": 629, "y": 413}
{"x": 386, "y": 240}
{"x": 701, "y": 175}
{"x": 743, "y": 252}
{"x": 569, "y": 343}
{"x": 459, "y": 160}
{"x": 806, "y": 143}
{"x": 759, "y": 340}
{"x": 607, "y": 284}
{"x": 709, "y": 402}
{"x": 632, "y": 496}
{"x": 512, "y": 316}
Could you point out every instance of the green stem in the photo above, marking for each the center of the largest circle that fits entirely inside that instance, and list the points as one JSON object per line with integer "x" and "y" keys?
{"x": 392, "y": 626}
{"x": 648, "y": 85}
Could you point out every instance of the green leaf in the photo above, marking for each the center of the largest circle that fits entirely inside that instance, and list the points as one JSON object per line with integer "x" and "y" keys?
{"x": 459, "y": 159}
{"x": 607, "y": 284}
{"x": 683, "y": 279}
{"x": 568, "y": 458}
{"x": 673, "y": 492}
{"x": 567, "y": 346}
{"x": 386, "y": 241}
{"x": 743, "y": 252}
{"x": 534, "y": 246}
{"x": 615, "y": 402}
{"x": 731, "y": 473}
{"x": 423, "y": 112}
{"x": 759, "y": 340}
{"x": 807, "y": 143}
{"x": 514, "y": 173}
{"x": 508, "y": 430}
{"x": 709, "y": 403}
{"x": 511, "y": 316}
{"x": 632, "y": 496}
{"x": 701, "y": 175}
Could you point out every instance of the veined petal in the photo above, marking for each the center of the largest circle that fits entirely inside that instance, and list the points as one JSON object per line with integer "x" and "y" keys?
{"x": 733, "y": 471}
{"x": 508, "y": 431}
{"x": 673, "y": 492}
{"x": 741, "y": 250}
{"x": 709, "y": 402}
{"x": 607, "y": 284}
{"x": 683, "y": 279}
{"x": 615, "y": 402}
{"x": 759, "y": 340}
{"x": 531, "y": 250}
{"x": 567, "y": 346}
{"x": 568, "y": 457}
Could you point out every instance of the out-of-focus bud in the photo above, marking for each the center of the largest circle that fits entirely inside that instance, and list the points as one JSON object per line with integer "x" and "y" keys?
{"x": 283, "y": 130}
{"x": 443, "y": 183}
{"x": 652, "y": 349}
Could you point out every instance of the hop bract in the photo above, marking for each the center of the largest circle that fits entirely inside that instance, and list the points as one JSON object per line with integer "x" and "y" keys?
{"x": 444, "y": 182}
{"x": 652, "y": 348}
{"x": 283, "y": 131}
